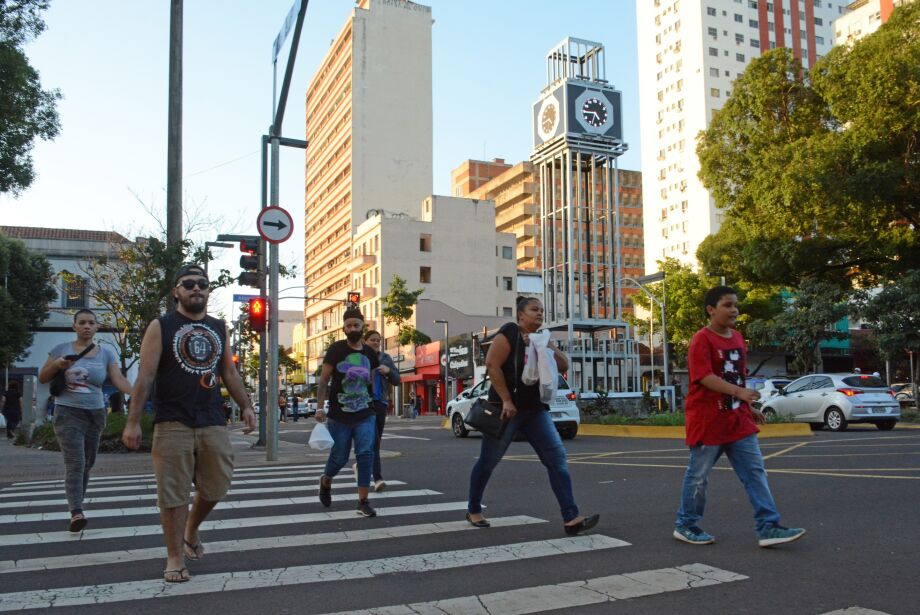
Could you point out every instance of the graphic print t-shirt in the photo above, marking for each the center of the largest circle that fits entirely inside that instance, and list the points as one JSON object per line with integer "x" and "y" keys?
{"x": 85, "y": 377}
{"x": 711, "y": 417}
{"x": 351, "y": 389}
{"x": 188, "y": 376}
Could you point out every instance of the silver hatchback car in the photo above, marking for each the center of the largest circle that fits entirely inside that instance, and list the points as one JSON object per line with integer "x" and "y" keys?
{"x": 834, "y": 400}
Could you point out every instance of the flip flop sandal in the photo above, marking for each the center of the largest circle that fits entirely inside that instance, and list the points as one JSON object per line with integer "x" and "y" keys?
{"x": 480, "y": 523}
{"x": 193, "y": 552}
{"x": 181, "y": 578}
{"x": 77, "y": 522}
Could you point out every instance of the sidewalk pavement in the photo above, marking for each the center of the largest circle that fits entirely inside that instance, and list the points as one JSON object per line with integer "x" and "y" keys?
{"x": 18, "y": 463}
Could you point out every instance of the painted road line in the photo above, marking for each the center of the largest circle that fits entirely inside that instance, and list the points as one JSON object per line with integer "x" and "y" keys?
{"x": 785, "y": 450}
{"x": 854, "y": 610}
{"x": 9, "y": 540}
{"x": 393, "y": 436}
{"x": 301, "y": 575}
{"x": 569, "y": 595}
{"x": 223, "y": 505}
{"x": 253, "y": 544}
{"x": 153, "y": 496}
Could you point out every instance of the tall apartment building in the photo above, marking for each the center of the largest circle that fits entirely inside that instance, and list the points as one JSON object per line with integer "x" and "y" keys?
{"x": 862, "y": 18}
{"x": 690, "y": 52}
{"x": 516, "y": 194}
{"x": 369, "y": 127}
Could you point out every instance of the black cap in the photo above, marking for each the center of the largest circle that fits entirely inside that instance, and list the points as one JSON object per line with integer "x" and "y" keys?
{"x": 189, "y": 269}
{"x": 352, "y": 312}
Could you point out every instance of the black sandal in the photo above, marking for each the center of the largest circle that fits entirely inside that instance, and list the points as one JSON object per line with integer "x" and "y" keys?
{"x": 480, "y": 523}
{"x": 582, "y": 526}
{"x": 77, "y": 522}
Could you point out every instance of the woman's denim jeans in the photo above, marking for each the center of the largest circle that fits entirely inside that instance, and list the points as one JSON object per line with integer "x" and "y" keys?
{"x": 78, "y": 431}
{"x": 539, "y": 430}
{"x": 746, "y": 460}
{"x": 363, "y": 433}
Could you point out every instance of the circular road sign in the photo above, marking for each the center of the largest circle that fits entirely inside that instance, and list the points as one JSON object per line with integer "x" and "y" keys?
{"x": 275, "y": 224}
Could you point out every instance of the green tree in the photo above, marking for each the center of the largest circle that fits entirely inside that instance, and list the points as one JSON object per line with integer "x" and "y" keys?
{"x": 26, "y": 290}
{"x": 894, "y": 314}
{"x": 400, "y": 306}
{"x": 26, "y": 111}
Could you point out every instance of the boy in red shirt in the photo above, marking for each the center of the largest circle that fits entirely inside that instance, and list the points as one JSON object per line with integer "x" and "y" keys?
{"x": 719, "y": 420}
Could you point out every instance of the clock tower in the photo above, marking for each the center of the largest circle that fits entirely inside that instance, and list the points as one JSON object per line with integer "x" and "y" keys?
{"x": 577, "y": 138}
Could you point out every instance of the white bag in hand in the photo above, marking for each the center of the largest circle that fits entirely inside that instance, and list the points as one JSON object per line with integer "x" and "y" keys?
{"x": 321, "y": 439}
{"x": 549, "y": 374}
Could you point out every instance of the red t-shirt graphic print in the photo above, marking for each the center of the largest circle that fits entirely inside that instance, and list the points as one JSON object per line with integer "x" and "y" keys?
{"x": 711, "y": 417}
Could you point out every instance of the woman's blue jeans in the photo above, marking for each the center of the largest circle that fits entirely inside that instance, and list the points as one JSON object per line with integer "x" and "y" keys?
{"x": 747, "y": 461}
{"x": 363, "y": 433}
{"x": 539, "y": 430}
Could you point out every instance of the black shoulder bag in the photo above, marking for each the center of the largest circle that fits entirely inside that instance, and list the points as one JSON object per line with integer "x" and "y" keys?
{"x": 59, "y": 383}
{"x": 485, "y": 415}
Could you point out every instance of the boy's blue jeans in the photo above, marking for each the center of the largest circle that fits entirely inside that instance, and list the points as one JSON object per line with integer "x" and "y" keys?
{"x": 364, "y": 433}
{"x": 539, "y": 430}
{"x": 746, "y": 460}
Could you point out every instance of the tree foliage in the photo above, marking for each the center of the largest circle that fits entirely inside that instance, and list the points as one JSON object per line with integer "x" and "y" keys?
{"x": 894, "y": 314}
{"x": 26, "y": 111}
{"x": 26, "y": 290}
{"x": 399, "y": 309}
{"x": 818, "y": 172}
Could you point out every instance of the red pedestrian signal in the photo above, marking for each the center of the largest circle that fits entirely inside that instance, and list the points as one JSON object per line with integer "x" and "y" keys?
{"x": 258, "y": 314}
{"x": 353, "y": 299}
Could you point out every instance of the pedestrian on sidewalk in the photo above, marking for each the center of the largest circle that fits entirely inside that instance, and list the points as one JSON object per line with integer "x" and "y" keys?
{"x": 346, "y": 376}
{"x": 12, "y": 407}
{"x": 525, "y": 414}
{"x": 80, "y": 408}
{"x": 186, "y": 355}
{"x": 385, "y": 376}
{"x": 719, "y": 419}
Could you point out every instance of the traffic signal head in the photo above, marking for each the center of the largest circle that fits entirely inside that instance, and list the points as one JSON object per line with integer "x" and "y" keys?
{"x": 353, "y": 299}
{"x": 258, "y": 314}
{"x": 251, "y": 276}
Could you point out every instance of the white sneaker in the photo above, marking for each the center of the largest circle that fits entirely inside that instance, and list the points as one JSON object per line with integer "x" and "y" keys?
{"x": 380, "y": 485}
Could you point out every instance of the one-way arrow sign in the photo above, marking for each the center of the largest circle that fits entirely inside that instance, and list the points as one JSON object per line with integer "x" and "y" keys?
{"x": 275, "y": 224}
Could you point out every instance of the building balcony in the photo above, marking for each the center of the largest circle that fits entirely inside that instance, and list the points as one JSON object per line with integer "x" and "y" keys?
{"x": 361, "y": 262}
{"x": 368, "y": 292}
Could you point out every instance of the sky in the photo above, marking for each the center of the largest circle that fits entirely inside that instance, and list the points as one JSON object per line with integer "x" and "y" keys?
{"x": 109, "y": 58}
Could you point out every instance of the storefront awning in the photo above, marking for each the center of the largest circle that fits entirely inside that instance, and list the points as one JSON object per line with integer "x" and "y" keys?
{"x": 419, "y": 377}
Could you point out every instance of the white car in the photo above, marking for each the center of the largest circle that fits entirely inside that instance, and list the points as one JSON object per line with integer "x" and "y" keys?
{"x": 562, "y": 409}
{"x": 768, "y": 387}
{"x": 834, "y": 400}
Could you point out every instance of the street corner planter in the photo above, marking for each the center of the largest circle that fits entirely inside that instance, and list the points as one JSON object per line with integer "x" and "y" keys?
{"x": 676, "y": 432}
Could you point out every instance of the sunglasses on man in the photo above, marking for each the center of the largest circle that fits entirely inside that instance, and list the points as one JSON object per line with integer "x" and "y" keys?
{"x": 201, "y": 283}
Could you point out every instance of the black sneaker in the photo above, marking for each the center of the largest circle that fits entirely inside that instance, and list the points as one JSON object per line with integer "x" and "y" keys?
{"x": 325, "y": 493}
{"x": 364, "y": 508}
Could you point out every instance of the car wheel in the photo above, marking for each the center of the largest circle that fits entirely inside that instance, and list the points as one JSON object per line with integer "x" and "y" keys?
{"x": 459, "y": 428}
{"x": 568, "y": 433}
{"x": 769, "y": 412}
{"x": 902, "y": 397}
{"x": 834, "y": 420}
{"x": 886, "y": 425}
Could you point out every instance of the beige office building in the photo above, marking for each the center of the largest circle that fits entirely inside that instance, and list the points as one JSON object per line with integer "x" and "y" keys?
{"x": 862, "y": 18}
{"x": 370, "y": 150}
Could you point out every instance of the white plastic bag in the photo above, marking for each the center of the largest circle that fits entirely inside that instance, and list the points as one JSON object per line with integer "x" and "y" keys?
{"x": 321, "y": 439}
{"x": 531, "y": 373}
{"x": 549, "y": 374}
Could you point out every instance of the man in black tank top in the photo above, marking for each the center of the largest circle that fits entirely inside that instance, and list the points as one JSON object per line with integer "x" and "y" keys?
{"x": 186, "y": 354}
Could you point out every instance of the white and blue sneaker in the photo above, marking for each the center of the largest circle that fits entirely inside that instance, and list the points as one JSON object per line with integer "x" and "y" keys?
{"x": 693, "y": 535}
{"x": 777, "y": 535}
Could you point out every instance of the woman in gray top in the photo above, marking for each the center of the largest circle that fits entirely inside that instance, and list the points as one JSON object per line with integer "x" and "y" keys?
{"x": 80, "y": 407}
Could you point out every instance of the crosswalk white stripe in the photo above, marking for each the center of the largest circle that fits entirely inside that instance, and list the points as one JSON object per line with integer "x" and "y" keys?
{"x": 223, "y": 505}
{"x": 300, "y": 575}
{"x": 139, "y": 497}
{"x": 252, "y": 544}
{"x": 854, "y": 610}
{"x": 567, "y": 595}
{"x": 150, "y": 478}
{"x": 9, "y": 540}
{"x": 120, "y": 478}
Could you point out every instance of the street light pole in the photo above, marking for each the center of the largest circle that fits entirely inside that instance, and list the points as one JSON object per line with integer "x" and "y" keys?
{"x": 446, "y": 361}
{"x": 655, "y": 277}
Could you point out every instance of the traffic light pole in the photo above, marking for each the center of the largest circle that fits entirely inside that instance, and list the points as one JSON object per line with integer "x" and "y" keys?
{"x": 271, "y": 411}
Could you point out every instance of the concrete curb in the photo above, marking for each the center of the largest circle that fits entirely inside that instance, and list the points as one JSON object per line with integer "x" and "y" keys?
{"x": 778, "y": 430}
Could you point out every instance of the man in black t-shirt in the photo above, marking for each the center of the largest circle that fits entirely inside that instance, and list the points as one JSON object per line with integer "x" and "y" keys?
{"x": 187, "y": 355}
{"x": 349, "y": 365}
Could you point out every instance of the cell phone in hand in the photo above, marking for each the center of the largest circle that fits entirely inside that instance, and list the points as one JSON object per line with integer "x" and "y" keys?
{"x": 71, "y": 357}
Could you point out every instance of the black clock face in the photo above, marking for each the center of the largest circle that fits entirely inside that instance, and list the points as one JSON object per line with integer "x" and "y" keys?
{"x": 595, "y": 112}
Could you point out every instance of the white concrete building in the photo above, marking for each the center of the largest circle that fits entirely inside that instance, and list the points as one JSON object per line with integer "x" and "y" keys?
{"x": 862, "y": 18}
{"x": 70, "y": 251}
{"x": 690, "y": 52}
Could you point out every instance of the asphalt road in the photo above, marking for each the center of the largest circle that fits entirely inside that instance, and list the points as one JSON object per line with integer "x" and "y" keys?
{"x": 856, "y": 493}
